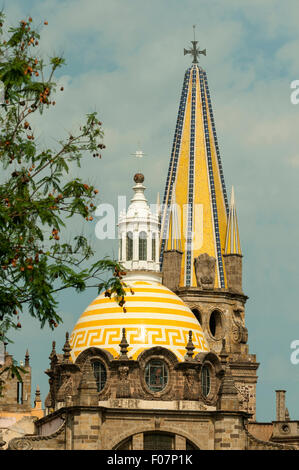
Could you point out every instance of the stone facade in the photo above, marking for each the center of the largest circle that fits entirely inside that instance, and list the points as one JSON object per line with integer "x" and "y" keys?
{"x": 126, "y": 414}
{"x": 221, "y": 313}
{"x": 17, "y": 417}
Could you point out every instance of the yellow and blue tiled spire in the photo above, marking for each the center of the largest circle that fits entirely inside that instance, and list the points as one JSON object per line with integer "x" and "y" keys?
{"x": 232, "y": 239}
{"x": 195, "y": 178}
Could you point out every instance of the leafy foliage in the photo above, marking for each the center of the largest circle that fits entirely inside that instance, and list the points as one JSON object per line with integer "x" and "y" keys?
{"x": 35, "y": 195}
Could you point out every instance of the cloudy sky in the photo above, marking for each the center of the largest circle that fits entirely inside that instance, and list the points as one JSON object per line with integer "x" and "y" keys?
{"x": 125, "y": 60}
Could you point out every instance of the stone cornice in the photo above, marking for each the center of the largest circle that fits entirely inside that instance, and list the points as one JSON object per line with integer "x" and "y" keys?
{"x": 202, "y": 414}
{"x": 207, "y": 293}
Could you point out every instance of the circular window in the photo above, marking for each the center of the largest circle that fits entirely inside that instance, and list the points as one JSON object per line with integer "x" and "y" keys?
{"x": 197, "y": 314}
{"x": 215, "y": 324}
{"x": 205, "y": 381}
{"x": 100, "y": 374}
{"x": 156, "y": 375}
{"x": 285, "y": 428}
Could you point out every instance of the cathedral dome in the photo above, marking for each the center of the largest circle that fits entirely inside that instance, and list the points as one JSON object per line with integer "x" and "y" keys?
{"x": 154, "y": 316}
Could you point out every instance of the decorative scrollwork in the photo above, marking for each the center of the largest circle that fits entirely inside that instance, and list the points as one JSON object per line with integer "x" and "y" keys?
{"x": 20, "y": 444}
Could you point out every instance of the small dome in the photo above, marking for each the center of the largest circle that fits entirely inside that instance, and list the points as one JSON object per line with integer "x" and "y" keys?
{"x": 154, "y": 316}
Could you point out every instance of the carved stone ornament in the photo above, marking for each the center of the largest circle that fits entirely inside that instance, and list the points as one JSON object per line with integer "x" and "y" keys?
{"x": 20, "y": 444}
{"x": 243, "y": 396}
{"x": 205, "y": 270}
{"x": 239, "y": 331}
{"x": 190, "y": 389}
{"x": 66, "y": 387}
{"x": 123, "y": 387}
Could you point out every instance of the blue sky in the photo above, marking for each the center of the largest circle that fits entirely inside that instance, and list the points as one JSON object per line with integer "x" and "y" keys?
{"x": 125, "y": 60}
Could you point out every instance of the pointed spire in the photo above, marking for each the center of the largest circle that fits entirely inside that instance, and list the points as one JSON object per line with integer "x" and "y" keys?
{"x": 27, "y": 357}
{"x": 174, "y": 232}
{"x": 190, "y": 348}
{"x": 228, "y": 394}
{"x": 195, "y": 177}
{"x": 228, "y": 385}
{"x": 123, "y": 346}
{"x": 66, "y": 349}
{"x": 88, "y": 380}
{"x": 232, "y": 240}
{"x": 88, "y": 389}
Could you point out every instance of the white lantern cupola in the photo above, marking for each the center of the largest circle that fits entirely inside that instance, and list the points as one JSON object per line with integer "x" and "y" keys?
{"x": 139, "y": 233}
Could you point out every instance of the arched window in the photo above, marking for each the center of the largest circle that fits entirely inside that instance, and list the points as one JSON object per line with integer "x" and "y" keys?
{"x": 153, "y": 247}
{"x": 158, "y": 441}
{"x": 129, "y": 246}
{"x": 125, "y": 445}
{"x": 156, "y": 375}
{"x": 205, "y": 381}
{"x": 142, "y": 246}
{"x": 100, "y": 374}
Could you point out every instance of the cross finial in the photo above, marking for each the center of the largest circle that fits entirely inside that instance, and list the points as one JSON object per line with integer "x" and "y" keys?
{"x": 195, "y": 52}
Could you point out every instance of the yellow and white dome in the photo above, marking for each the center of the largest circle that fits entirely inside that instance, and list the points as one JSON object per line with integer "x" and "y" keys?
{"x": 154, "y": 316}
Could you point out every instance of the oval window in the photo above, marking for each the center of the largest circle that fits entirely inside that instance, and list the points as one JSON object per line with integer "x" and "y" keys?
{"x": 215, "y": 324}
{"x": 156, "y": 375}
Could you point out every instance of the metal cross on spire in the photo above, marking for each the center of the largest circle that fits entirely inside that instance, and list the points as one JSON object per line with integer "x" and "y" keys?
{"x": 195, "y": 52}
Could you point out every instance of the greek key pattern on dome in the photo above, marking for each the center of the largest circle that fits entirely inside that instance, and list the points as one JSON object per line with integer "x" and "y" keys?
{"x": 109, "y": 338}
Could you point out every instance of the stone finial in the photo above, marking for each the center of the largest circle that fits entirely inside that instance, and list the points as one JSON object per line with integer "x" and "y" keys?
{"x": 123, "y": 346}
{"x": 287, "y": 415}
{"x": 37, "y": 400}
{"x": 66, "y": 349}
{"x": 53, "y": 352}
{"x": 190, "y": 348}
{"x": 27, "y": 357}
